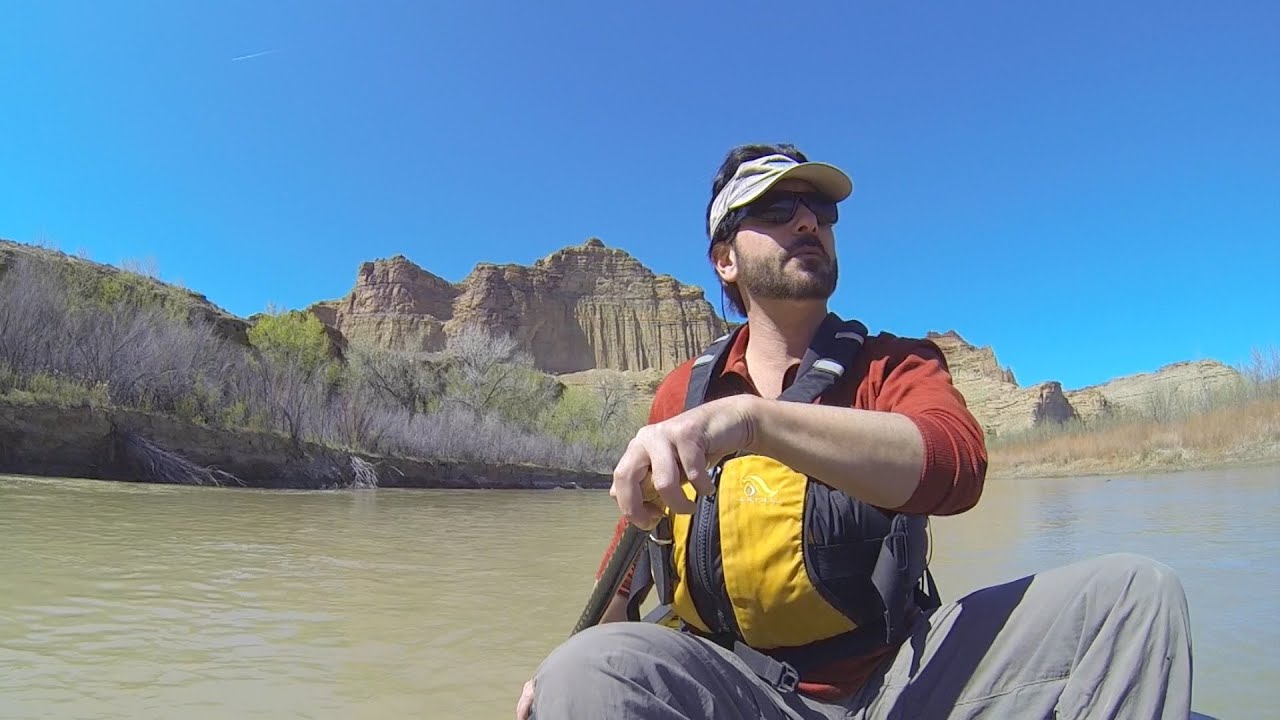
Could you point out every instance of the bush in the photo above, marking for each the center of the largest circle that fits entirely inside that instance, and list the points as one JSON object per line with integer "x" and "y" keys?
{"x": 71, "y": 334}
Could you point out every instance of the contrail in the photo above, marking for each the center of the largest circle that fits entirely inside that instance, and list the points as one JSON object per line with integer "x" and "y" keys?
{"x": 254, "y": 55}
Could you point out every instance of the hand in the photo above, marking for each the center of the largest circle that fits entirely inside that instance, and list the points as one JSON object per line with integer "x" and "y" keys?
{"x": 662, "y": 456}
{"x": 525, "y": 705}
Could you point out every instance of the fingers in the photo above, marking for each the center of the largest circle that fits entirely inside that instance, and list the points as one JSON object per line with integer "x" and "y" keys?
{"x": 654, "y": 467}
{"x": 628, "y": 475}
{"x": 694, "y": 462}
{"x": 667, "y": 476}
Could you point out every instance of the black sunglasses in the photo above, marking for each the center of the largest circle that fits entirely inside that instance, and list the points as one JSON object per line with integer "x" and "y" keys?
{"x": 779, "y": 206}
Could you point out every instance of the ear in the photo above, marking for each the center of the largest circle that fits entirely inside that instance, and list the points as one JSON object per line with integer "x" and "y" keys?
{"x": 725, "y": 259}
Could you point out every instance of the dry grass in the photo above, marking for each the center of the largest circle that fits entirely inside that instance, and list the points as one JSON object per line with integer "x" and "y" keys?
{"x": 1244, "y": 432}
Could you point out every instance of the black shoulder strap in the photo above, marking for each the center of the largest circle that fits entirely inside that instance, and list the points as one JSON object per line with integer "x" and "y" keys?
{"x": 831, "y": 351}
{"x": 706, "y": 366}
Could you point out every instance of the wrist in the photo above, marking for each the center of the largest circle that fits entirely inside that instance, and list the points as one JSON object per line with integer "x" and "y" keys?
{"x": 750, "y": 409}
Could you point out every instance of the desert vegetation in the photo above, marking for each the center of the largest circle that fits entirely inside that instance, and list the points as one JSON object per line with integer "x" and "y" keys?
{"x": 73, "y": 335}
{"x": 1235, "y": 424}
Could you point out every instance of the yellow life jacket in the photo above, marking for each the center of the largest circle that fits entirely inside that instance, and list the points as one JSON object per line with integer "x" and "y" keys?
{"x": 778, "y": 566}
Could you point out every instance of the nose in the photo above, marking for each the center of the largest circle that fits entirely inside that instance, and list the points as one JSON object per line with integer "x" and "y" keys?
{"x": 805, "y": 221}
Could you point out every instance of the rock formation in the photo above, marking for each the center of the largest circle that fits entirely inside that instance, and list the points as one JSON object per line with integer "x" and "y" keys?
{"x": 395, "y": 305}
{"x": 581, "y": 308}
{"x": 1005, "y": 408}
{"x": 588, "y": 311}
{"x": 589, "y": 308}
{"x": 1170, "y": 391}
{"x": 1001, "y": 405}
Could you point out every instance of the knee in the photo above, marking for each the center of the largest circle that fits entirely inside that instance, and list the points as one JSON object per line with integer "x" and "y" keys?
{"x": 1142, "y": 577}
{"x": 598, "y": 655}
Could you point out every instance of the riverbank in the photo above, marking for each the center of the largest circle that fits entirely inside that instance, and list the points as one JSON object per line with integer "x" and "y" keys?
{"x": 131, "y": 445}
{"x": 135, "y": 446}
{"x": 1246, "y": 433}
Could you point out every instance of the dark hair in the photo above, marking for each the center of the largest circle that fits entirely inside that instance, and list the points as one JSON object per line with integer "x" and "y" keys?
{"x": 728, "y": 227}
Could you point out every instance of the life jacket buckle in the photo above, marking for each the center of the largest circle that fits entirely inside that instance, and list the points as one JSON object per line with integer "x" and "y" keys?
{"x": 899, "y": 549}
{"x": 789, "y": 679}
{"x": 661, "y": 541}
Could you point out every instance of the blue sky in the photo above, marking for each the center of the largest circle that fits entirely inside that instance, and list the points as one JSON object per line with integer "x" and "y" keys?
{"x": 1090, "y": 188}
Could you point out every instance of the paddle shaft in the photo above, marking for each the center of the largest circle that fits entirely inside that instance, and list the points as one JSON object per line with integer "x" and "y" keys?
{"x": 615, "y": 571}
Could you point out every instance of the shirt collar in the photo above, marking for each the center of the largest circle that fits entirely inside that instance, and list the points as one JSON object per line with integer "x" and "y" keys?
{"x": 735, "y": 362}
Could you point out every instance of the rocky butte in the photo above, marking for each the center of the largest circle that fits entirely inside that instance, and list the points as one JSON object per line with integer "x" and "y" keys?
{"x": 1006, "y": 408}
{"x": 581, "y": 308}
{"x": 993, "y": 394}
{"x": 588, "y": 308}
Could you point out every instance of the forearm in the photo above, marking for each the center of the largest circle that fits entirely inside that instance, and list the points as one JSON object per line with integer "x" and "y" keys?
{"x": 877, "y": 457}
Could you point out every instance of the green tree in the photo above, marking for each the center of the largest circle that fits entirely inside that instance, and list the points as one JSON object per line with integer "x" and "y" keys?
{"x": 292, "y": 337}
{"x": 295, "y": 369}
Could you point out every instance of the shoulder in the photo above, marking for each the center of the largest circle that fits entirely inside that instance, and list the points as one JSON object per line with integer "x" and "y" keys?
{"x": 895, "y": 369}
{"x": 668, "y": 399}
{"x": 889, "y": 351}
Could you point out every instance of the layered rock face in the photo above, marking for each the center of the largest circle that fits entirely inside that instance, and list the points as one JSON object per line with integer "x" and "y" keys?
{"x": 994, "y": 397}
{"x": 581, "y": 308}
{"x": 395, "y": 305}
{"x": 1172, "y": 390}
{"x": 1004, "y": 407}
{"x": 590, "y": 308}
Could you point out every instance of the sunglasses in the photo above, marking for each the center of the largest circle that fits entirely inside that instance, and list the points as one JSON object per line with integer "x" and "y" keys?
{"x": 779, "y": 206}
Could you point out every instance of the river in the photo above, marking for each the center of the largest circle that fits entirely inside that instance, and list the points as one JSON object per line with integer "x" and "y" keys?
{"x": 150, "y": 601}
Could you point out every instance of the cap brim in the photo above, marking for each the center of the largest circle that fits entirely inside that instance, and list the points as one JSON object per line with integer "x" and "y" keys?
{"x": 825, "y": 178}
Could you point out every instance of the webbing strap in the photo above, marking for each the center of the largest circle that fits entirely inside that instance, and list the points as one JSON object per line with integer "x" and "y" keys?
{"x": 707, "y": 366}
{"x": 927, "y": 595}
{"x": 888, "y": 576}
{"x": 652, "y": 571}
{"x": 782, "y": 676}
{"x": 898, "y": 568}
{"x": 660, "y": 551}
{"x": 831, "y": 351}
{"x": 641, "y": 583}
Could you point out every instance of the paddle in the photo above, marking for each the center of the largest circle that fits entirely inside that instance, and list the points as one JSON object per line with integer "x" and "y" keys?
{"x": 615, "y": 571}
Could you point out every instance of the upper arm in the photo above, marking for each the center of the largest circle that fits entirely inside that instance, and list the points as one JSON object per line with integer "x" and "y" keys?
{"x": 916, "y": 383}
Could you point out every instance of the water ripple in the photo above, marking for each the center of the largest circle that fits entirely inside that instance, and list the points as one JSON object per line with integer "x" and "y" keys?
{"x": 159, "y": 602}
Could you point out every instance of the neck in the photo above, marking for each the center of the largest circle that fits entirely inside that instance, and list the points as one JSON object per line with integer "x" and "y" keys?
{"x": 780, "y": 335}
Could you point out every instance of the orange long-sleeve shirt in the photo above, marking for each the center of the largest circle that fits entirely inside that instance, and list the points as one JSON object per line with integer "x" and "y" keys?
{"x": 891, "y": 374}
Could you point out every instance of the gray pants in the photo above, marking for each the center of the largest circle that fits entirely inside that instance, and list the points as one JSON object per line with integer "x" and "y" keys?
{"x": 1104, "y": 638}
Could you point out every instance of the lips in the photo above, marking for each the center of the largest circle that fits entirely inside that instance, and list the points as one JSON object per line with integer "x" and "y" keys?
{"x": 808, "y": 251}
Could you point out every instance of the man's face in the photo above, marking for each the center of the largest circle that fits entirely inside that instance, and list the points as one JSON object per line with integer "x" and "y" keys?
{"x": 792, "y": 259}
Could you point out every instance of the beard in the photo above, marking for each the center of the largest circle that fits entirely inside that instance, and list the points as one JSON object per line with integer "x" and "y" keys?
{"x": 794, "y": 278}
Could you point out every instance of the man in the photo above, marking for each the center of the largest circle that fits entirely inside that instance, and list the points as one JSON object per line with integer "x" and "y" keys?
{"x": 786, "y": 474}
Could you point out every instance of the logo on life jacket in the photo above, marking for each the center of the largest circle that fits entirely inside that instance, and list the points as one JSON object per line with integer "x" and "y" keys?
{"x": 756, "y": 490}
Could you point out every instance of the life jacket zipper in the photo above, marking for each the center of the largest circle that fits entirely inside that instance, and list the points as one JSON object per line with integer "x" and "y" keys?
{"x": 706, "y": 514}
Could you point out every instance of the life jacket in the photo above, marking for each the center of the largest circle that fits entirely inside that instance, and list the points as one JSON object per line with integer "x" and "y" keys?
{"x": 783, "y": 569}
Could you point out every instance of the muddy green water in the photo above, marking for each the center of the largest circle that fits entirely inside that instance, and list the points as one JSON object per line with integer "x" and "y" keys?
{"x": 143, "y": 601}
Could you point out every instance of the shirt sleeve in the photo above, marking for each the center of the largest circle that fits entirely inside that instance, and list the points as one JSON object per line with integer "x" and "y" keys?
{"x": 917, "y": 383}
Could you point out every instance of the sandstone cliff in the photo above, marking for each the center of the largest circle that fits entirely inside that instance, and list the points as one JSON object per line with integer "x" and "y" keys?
{"x": 1001, "y": 405}
{"x": 395, "y": 305}
{"x": 1170, "y": 391}
{"x": 1005, "y": 408}
{"x": 581, "y": 308}
{"x": 590, "y": 308}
